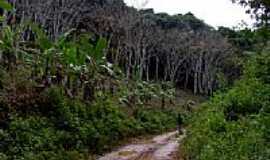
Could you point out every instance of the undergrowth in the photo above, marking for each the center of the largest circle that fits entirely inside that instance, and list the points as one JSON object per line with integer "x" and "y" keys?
{"x": 235, "y": 124}
{"x": 71, "y": 129}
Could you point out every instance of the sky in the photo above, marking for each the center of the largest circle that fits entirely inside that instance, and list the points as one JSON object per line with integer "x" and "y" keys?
{"x": 213, "y": 12}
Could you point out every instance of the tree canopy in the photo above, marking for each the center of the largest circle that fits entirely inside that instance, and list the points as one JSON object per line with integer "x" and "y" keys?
{"x": 259, "y": 9}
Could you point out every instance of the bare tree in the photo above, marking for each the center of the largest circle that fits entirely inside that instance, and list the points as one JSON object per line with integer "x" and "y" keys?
{"x": 146, "y": 46}
{"x": 139, "y": 4}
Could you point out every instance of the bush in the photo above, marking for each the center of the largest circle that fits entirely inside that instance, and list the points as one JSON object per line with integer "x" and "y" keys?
{"x": 234, "y": 125}
{"x": 258, "y": 67}
{"x": 247, "y": 97}
{"x": 54, "y": 102}
{"x": 154, "y": 121}
{"x": 69, "y": 129}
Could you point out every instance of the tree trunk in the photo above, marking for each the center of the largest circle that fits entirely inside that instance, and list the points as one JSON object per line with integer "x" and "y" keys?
{"x": 157, "y": 68}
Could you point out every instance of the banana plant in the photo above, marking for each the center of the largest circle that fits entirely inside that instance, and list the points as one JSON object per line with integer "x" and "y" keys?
{"x": 82, "y": 58}
{"x": 41, "y": 40}
{"x": 10, "y": 46}
{"x": 78, "y": 51}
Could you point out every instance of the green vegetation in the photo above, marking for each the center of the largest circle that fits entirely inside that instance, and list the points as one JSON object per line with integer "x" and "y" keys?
{"x": 63, "y": 100}
{"x": 79, "y": 80}
{"x": 61, "y": 128}
{"x": 235, "y": 124}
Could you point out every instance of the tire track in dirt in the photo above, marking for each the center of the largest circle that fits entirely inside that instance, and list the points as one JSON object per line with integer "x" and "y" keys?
{"x": 162, "y": 147}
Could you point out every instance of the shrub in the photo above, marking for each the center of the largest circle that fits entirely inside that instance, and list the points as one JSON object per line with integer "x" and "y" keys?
{"x": 154, "y": 121}
{"x": 64, "y": 128}
{"x": 212, "y": 135}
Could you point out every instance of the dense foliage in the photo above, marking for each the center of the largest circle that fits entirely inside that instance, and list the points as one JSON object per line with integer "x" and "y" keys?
{"x": 63, "y": 100}
{"x": 86, "y": 75}
{"x": 235, "y": 124}
{"x": 60, "y": 128}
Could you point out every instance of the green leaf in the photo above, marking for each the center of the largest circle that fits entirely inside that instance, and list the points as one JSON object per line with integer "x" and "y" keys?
{"x": 101, "y": 45}
{"x": 5, "y": 5}
{"x": 42, "y": 39}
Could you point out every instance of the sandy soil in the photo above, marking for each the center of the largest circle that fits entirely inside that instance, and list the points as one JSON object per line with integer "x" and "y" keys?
{"x": 162, "y": 147}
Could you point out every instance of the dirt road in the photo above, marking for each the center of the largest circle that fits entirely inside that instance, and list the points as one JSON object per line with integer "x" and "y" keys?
{"x": 162, "y": 147}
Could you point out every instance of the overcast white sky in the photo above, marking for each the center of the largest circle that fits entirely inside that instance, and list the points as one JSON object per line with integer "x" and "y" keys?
{"x": 213, "y": 12}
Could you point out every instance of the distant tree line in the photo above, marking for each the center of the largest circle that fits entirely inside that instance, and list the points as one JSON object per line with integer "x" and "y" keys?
{"x": 147, "y": 46}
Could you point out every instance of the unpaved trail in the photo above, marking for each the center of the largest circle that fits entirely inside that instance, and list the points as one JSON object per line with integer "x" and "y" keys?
{"x": 161, "y": 147}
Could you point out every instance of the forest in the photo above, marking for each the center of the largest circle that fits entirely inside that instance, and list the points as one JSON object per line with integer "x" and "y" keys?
{"x": 81, "y": 78}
